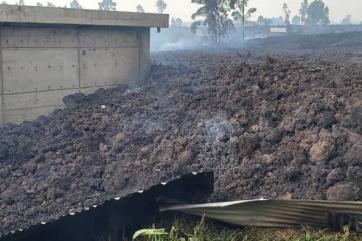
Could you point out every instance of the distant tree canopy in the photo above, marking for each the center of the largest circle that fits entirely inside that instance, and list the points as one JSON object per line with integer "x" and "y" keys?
{"x": 296, "y": 20}
{"x": 270, "y": 21}
{"x": 286, "y": 14}
{"x": 21, "y": 3}
{"x": 108, "y": 5}
{"x": 263, "y": 21}
{"x": 140, "y": 9}
{"x": 347, "y": 20}
{"x": 240, "y": 13}
{"x": 214, "y": 15}
{"x": 50, "y": 5}
{"x": 317, "y": 13}
{"x": 75, "y": 4}
{"x": 161, "y": 6}
{"x": 303, "y": 11}
{"x": 176, "y": 22}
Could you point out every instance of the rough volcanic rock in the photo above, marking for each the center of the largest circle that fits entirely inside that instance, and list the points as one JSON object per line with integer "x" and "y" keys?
{"x": 272, "y": 127}
{"x": 344, "y": 192}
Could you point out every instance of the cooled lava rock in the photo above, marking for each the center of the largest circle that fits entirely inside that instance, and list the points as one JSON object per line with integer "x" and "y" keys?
{"x": 269, "y": 126}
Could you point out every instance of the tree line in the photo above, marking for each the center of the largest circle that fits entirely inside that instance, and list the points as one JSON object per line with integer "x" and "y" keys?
{"x": 219, "y": 16}
{"x": 109, "y": 5}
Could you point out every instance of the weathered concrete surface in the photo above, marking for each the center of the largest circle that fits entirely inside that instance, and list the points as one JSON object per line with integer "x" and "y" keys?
{"x": 39, "y": 69}
{"x": 108, "y": 66}
{"x": 57, "y": 53}
{"x": 41, "y": 15}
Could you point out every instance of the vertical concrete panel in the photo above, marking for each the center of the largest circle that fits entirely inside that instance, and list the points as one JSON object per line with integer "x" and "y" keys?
{"x": 91, "y": 90}
{"x": 41, "y": 65}
{"x": 36, "y": 99}
{"x": 18, "y": 116}
{"x": 144, "y": 54}
{"x": 108, "y": 38}
{"x": 1, "y": 81}
{"x": 108, "y": 66}
{"x": 1, "y": 110}
{"x": 35, "y": 37}
{"x": 39, "y": 69}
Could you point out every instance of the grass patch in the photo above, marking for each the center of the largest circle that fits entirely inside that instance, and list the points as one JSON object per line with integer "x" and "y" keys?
{"x": 185, "y": 229}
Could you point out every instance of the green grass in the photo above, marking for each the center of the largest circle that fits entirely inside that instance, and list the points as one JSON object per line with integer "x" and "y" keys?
{"x": 191, "y": 230}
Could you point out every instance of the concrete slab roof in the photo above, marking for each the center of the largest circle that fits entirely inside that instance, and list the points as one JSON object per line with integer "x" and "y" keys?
{"x": 66, "y": 16}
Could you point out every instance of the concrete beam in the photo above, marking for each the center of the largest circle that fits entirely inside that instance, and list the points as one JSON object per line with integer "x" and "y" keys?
{"x": 66, "y": 16}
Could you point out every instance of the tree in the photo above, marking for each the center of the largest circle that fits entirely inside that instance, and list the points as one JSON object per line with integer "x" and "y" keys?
{"x": 108, "y": 5}
{"x": 176, "y": 22}
{"x": 21, "y": 3}
{"x": 347, "y": 20}
{"x": 214, "y": 15}
{"x": 140, "y": 9}
{"x": 303, "y": 11}
{"x": 260, "y": 20}
{"x": 161, "y": 6}
{"x": 75, "y": 4}
{"x": 4, "y": 3}
{"x": 241, "y": 6}
{"x": 264, "y": 21}
{"x": 286, "y": 14}
{"x": 325, "y": 19}
{"x": 296, "y": 20}
{"x": 50, "y": 5}
{"x": 39, "y": 4}
{"x": 317, "y": 13}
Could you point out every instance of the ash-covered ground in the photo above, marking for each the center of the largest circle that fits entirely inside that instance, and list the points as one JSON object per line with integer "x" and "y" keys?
{"x": 281, "y": 118}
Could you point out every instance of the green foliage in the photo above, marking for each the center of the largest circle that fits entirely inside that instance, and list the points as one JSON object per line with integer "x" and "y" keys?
{"x": 240, "y": 13}
{"x": 214, "y": 15}
{"x": 303, "y": 11}
{"x": 347, "y": 20}
{"x": 140, "y": 9}
{"x": 264, "y": 21}
{"x": 50, "y": 5}
{"x": 286, "y": 13}
{"x": 75, "y": 4}
{"x": 108, "y": 5}
{"x": 176, "y": 22}
{"x": 161, "y": 6}
{"x": 151, "y": 234}
{"x": 296, "y": 20}
{"x": 189, "y": 230}
{"x": 317, "y": 13}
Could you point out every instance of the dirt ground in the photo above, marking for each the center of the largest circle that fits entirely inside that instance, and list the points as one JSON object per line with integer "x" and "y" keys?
{"x": 281, "y": 118}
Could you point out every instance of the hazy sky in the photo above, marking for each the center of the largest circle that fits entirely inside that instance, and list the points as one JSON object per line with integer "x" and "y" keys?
{"x": 184, "y": 8}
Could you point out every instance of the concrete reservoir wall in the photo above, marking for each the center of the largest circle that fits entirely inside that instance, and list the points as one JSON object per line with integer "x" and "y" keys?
{"x": 42, "y": 63}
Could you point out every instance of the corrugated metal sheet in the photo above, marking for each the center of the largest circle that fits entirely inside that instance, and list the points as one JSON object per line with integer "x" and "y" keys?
{"x": 120, "y": 213}
{"x": 280, "y": 213}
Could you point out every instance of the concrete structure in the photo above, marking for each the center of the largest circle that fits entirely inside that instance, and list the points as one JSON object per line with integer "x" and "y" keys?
{"x": 48, "y": 53}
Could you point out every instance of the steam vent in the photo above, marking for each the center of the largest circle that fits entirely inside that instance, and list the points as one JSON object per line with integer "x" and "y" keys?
{"x": 48, "y": 53}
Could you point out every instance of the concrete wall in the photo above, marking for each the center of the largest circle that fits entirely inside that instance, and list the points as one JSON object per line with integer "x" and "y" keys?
{"x": 42, "y": 64}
